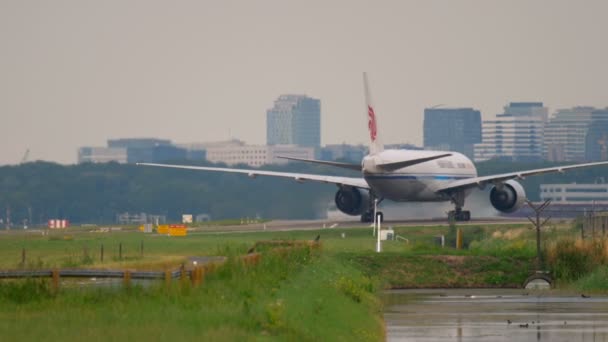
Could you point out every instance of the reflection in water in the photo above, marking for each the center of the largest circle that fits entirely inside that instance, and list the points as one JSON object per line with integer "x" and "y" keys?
{"x": 494, "y": 315}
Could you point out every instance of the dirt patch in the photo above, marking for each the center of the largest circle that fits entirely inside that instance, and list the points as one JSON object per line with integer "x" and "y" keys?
{"x": 510, "y": 234}
{"x": 451, "y": 260}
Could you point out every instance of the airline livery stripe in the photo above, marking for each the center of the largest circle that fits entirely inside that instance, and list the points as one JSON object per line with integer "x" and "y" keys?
{"x": 421, "y": 174}
{"x": 416, "y": 177}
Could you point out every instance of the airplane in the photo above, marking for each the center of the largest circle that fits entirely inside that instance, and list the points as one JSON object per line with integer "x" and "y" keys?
{"x": 407, "y": 176}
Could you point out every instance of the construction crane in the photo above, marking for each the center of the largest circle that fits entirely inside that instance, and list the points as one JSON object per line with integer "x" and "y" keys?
{"x": 25, "y": 156}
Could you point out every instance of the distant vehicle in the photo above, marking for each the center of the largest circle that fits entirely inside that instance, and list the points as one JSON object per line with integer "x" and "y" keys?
{"x": 408, "y": 176}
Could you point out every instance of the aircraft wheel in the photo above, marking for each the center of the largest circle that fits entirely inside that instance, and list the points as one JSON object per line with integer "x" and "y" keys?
{"x": 381, "y": 215}
{"x": 459, "y": 215}
{"x": 367, "y": 217}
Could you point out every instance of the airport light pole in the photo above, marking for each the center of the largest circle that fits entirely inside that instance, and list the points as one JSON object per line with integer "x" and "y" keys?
{"x": 378, "y": 243}
{"x": 377, "y": 224}
{"x": 375, "y": 216}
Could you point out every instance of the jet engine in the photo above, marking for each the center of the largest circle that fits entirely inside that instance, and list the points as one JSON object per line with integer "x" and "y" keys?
{"x": 508, "y": 197}
{"x": 351, "y": 200}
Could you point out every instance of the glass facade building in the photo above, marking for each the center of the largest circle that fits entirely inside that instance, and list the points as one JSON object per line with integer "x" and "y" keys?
{"x": 452, "y": 129}
{"x": 294, "y": 120}
{"x": 565, "y": 134}
{"x": 516, "y": 135}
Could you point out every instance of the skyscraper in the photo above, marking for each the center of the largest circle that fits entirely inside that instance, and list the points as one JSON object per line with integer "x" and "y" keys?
{"x": 294, "y": 120}
{"x": 565, "y": 134}
{"x": 517, "y": 134}
{"x": 452, "y": 129}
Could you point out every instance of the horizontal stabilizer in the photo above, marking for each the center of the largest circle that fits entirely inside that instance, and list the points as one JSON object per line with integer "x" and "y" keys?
{"x": 356, "y": 167}
{"x": 401, "y": 164}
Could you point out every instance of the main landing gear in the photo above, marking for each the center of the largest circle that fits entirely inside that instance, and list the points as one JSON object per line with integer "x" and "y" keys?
{"x": 458, "y": 214}
{"x": 368, "y": 215}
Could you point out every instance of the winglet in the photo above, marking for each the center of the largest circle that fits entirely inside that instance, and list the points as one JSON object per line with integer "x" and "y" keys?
{"x": 375, "y": 145}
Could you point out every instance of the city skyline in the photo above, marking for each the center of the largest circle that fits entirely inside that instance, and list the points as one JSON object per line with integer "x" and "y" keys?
{"x": 76, "y": 74}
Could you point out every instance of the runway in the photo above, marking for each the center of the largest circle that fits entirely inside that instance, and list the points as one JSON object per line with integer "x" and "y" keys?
{"x": 287, "y": 225}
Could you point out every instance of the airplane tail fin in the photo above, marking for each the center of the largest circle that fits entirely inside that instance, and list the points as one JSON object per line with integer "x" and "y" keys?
{"x": 375, "y": 145}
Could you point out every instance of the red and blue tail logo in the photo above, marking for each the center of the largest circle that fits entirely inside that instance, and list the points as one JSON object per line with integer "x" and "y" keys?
{"x": 371, "y": 123}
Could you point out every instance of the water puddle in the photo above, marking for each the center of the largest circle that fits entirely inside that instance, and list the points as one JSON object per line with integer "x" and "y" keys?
{"x": 494, "y": 315}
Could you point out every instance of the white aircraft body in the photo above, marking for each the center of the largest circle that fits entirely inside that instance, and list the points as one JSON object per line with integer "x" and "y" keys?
{"x": 407, "y": 176}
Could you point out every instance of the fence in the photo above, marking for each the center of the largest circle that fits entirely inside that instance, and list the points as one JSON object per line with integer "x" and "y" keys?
{"x": 195, "y": 275}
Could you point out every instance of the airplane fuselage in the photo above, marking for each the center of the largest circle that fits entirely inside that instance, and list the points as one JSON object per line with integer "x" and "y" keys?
{"x": 416, "y": 183}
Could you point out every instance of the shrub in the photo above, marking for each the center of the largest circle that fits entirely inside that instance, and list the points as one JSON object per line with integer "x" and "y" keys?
{"x": 571, "y": 259}
{"x": 23, "y": 291}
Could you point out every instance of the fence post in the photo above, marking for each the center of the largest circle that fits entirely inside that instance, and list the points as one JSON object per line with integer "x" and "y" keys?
{"x": 168, "y": 278}
{"x": 197, "y": 275}
{"x": 182, "y": 274}
{"x": 127, "y": 278}
{"x": 55, "y": 279}
{"x": 120, "y": 250}
{"x": 194, "y": 276}
{"x": 458, "y": 238}
{"x": 23, "y": 257}
{"x": 102, "y": 252}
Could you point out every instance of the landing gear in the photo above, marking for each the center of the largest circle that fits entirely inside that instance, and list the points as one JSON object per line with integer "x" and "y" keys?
{"x": 458, "y": 214}
{"x": 368, "y": 215}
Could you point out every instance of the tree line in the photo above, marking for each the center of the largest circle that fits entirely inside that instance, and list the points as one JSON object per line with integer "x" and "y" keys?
{"x": 97, "y": 193}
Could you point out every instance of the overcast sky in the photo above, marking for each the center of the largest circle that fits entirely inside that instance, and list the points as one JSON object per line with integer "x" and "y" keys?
{"x": 75, "y": 73}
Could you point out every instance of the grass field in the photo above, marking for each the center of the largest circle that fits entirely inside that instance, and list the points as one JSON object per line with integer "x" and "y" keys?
{"x": 78, "y": 247}
{"x": 292, "y": 294}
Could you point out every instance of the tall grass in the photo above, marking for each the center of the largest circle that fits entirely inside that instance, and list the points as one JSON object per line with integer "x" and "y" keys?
{"x": 570, "y": 259}
{"x": 594, "y": 281}
{"x": 290, "y": 294}
{"x": 504, "y": 248}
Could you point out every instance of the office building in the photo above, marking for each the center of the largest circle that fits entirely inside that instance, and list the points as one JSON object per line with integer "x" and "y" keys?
{"x": 565, "y": 134}
{"x": 294, "y": 120}
{"x": 515, "y": 135}
{"x": 146, "y": 150}
{"x": 256, "y": 155}
{"x": 344, "y": 152}
{"x": 102, "y": 155}
{"x": 452, "y": 129}
{"x": 596, "y": 141}
{"x": 575, "y": 194}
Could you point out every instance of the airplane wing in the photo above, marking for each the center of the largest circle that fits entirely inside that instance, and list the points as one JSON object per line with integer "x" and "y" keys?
{"x": 298, "y": 177}
{"x": 483, "y": 181}
{"x": 355, "y": 167}
{"x": 389, "y": 166}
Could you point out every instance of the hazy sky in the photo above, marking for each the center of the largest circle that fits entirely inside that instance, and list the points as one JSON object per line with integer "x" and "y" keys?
{"x": 75, "y": 73}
